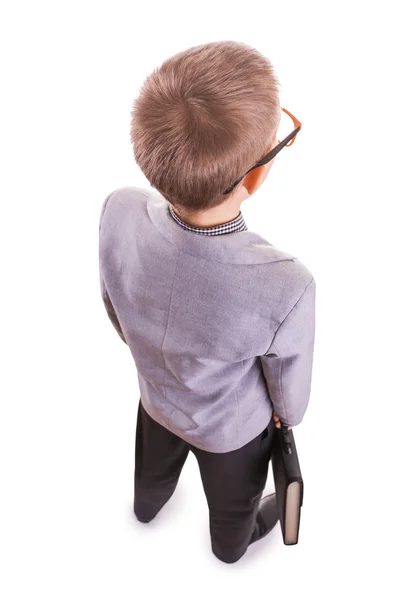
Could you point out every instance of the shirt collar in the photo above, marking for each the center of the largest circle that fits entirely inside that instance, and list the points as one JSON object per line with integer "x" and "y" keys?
{"x": 237, "y": 224}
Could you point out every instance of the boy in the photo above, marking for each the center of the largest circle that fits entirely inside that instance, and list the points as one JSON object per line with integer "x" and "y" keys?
{"x": 220, "y": 323}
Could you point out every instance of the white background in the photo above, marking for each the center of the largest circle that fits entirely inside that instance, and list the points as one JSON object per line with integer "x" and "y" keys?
{"x": 69, "y": 74}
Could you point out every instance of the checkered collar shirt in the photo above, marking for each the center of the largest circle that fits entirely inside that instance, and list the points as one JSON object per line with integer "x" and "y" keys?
{"x": 236, "y": 224}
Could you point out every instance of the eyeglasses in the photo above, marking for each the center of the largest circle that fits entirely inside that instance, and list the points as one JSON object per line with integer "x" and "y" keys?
{"x": 288, "y": 141}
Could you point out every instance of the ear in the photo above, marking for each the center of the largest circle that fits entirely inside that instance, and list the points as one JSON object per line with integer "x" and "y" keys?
{"x": 254, "y": 179}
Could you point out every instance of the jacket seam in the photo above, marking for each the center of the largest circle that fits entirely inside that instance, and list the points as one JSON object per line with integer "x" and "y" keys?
{"x": 166, "y": 328}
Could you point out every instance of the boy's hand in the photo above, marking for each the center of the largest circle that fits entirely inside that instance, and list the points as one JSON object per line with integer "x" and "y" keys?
{"x": 278, "y": 423}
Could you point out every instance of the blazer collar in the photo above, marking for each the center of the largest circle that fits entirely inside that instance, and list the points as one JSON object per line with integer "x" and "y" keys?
{"x": 239, "y": 247}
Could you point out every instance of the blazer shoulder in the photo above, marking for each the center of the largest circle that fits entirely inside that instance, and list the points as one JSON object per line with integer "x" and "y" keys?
{"x": 285, "y": 282}
{"x": 301, "y": 272}
{"x": 127, "y": 197}
{"x": 292, "y": 269}
{"x": 300, "y": 278}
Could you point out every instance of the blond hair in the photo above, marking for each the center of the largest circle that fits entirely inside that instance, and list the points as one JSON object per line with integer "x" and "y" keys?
{"x": 202, "y": 118}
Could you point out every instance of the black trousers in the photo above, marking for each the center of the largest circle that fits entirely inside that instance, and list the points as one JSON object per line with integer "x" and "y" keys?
{"x": 233, "y": 482}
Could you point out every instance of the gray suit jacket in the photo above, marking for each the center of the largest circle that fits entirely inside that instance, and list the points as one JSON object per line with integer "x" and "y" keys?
{"x": 221, "y": 328}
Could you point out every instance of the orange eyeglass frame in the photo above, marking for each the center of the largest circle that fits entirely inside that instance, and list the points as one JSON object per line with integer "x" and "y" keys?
{"x": 288, "y": 141}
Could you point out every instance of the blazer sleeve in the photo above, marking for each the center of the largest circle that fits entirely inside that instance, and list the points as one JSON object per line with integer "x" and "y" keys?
{"x": 287, "y": 365}
{"x": 110, "y": 310}
{"x": 103, "y": 290}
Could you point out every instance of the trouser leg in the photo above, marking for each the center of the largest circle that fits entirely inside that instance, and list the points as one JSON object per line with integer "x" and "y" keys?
{"x": 159, "y": 458}
{"x": 233, "y": 483}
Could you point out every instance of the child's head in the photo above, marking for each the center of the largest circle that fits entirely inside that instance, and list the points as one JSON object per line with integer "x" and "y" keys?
{"x": 202, "y": 118}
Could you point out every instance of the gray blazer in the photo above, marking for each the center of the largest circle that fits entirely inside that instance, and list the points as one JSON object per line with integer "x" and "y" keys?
{"x": 221, "y": 328}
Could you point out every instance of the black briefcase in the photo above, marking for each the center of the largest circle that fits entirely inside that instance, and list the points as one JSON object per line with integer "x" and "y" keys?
{"x": 288, "y": 483}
